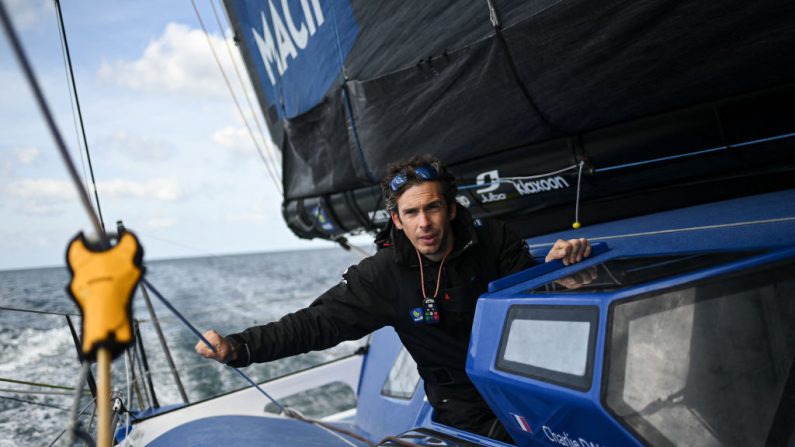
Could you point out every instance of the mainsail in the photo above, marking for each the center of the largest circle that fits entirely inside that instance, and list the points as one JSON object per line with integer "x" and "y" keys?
{"x": 660, "y": 102}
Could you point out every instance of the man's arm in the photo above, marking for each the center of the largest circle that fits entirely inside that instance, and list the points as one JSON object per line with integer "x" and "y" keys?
{"x": 356, "y": 306}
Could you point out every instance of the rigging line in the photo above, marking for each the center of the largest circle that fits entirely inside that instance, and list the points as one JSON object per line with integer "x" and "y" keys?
{"x": 82, "y": 411}
{"x": 143, "y": 236}
{"x": 72, "y": 106}
{"x": 346, "y": 98}
{"x": 680, "y": 230}
{"x": 271, "y": 174}
{"x": 65, "y": 44}
{"x": 42, "y": 393}
{"x": 45, "y": 110}
{"x": 129, "y": 394}
{"x": 493, "y": 16}
{"x": 32, "y": 402}
{"x": 270, "y": 148}
{"x": 43, "y": 312}
{"x": 43, "y": 385}
{"x": 204, "y": 340}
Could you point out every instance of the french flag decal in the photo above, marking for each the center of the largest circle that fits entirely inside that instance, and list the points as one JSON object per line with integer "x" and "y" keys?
{"x": 522, "y": 423}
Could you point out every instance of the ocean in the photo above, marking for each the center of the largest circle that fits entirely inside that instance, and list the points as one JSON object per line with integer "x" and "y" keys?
{"x": 226, "y": 293}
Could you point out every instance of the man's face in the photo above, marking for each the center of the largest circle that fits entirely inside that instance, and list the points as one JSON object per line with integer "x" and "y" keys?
{"x": 425, "y": 218}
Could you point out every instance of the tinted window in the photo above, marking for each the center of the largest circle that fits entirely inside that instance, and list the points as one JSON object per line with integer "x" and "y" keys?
{"x": 707, "y": 364}
{"x": 620, "y": 273}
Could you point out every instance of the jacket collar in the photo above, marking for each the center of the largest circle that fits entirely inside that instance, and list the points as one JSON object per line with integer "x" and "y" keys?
{"x": 464, "y": 236}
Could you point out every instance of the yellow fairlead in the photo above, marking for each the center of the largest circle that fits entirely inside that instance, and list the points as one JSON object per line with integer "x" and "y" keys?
{"x": 102, "y": 284}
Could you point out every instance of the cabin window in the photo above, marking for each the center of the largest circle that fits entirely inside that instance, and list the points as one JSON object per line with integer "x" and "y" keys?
{"x": 403, "y": 377}
{"x": 550, "y": 343}
{"x": 710, "y": 363}
{"x": 620, "y": 273}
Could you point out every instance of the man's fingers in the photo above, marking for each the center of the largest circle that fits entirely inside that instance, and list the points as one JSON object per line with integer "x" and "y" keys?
{"x": 571, "y": 251}
{"x": 205, "y": 351}
{"x": 587, "y": 248}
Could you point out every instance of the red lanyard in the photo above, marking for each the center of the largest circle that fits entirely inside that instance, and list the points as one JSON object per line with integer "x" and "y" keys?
{"x": 422, "y": 275}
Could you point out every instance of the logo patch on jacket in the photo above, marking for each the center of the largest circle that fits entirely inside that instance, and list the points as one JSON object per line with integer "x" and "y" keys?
{"x": 416, "y": 314}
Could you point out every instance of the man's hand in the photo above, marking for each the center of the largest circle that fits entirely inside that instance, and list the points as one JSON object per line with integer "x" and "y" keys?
{"x": 571, "y": 251}
{"x": 224, "y": 352}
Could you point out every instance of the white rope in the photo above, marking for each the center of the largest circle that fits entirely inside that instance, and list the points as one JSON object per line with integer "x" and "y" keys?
{"x": 272, "y": 152}
{"x": 679, "y": 230}
{"x": 271, "y": 174}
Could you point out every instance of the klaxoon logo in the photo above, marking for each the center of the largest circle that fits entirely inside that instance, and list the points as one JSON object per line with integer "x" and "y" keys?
{"x": 490, "y": 182}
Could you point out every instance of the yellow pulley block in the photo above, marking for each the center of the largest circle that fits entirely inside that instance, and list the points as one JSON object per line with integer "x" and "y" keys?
{"x": 102, "y": 285}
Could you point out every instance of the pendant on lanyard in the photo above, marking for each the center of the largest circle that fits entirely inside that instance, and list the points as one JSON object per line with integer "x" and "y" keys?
{"x": 429, "y": 313}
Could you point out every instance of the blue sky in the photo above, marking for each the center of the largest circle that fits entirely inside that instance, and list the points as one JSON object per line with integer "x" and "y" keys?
{"x": 169, "y": 149}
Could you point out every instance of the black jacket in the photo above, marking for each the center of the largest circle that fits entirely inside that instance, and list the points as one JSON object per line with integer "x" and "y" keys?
{"x": 383, "y": 289}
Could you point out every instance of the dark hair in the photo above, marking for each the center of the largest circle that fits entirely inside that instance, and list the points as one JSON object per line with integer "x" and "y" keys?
{"x": 407, "y": 169}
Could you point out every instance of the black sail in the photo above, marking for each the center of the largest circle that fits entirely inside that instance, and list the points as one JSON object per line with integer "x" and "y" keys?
{"x": 639, "y": 105}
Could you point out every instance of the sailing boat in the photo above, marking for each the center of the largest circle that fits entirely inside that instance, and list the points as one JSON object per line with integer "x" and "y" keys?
{"x": 663, "y": 126}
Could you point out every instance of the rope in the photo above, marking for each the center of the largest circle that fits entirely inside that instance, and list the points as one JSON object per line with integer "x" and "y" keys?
{"x": 272, "y": 175}
{"x": 129, "y": 395}
{"x": 204, "y": 340}
{"x": 576, "y": 224}
{"x": 696, "y": 153}
{"x": 72, "y": 105}
{"x": 43, "y": 393}
{"x": 43, "y": 385}
{"x": 295, "y": 414}
{"x": 271, "y": 152}
{"x": 346, "y": 100}
{"x": 33, "y": 311}
{"x": 42, "y": 404}
{"x": 289, "y": 412}
{"x": 65, "y": 44}
{"x": 50, "y": 120}
{"x": 679, "y": 230}
{"x": 82, "y": 411}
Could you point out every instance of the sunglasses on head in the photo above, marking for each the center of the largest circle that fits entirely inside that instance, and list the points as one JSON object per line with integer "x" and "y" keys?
{"x": 423, "y": 172}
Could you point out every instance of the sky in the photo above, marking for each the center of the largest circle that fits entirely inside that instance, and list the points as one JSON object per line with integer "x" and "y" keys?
{"x": 170, "y": 152}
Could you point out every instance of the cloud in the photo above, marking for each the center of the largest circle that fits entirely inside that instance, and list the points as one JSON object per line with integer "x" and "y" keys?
{"x": 40, "y": 192}
{"x": 42, "y": 189}
{"x": 236, "y": 139}
{"x": 163, "y": 189}
{"x": 179, "y": 61}
{"x": 238, "y": 142}
{"x": 27, "y": 155}
{"x": 26, "y": 13}
{"x": 42, "y": 197}
{"x": 160, "y": 222}
{"x": 135, "y": 147}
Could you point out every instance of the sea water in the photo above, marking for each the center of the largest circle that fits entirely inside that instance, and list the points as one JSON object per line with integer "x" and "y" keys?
{"x": 227, "y": 293}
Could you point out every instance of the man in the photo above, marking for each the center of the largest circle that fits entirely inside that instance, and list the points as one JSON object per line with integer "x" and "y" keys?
{"x": 433, "y": 263}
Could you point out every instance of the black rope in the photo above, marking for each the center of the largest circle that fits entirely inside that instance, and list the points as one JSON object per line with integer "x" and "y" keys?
{"x": 33, "y": 311}
{"x": 42, "y": 404}
{"x": 65, "y": 42}
{"x": 515, "y": 71}
{"x": 45, "y": 110}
